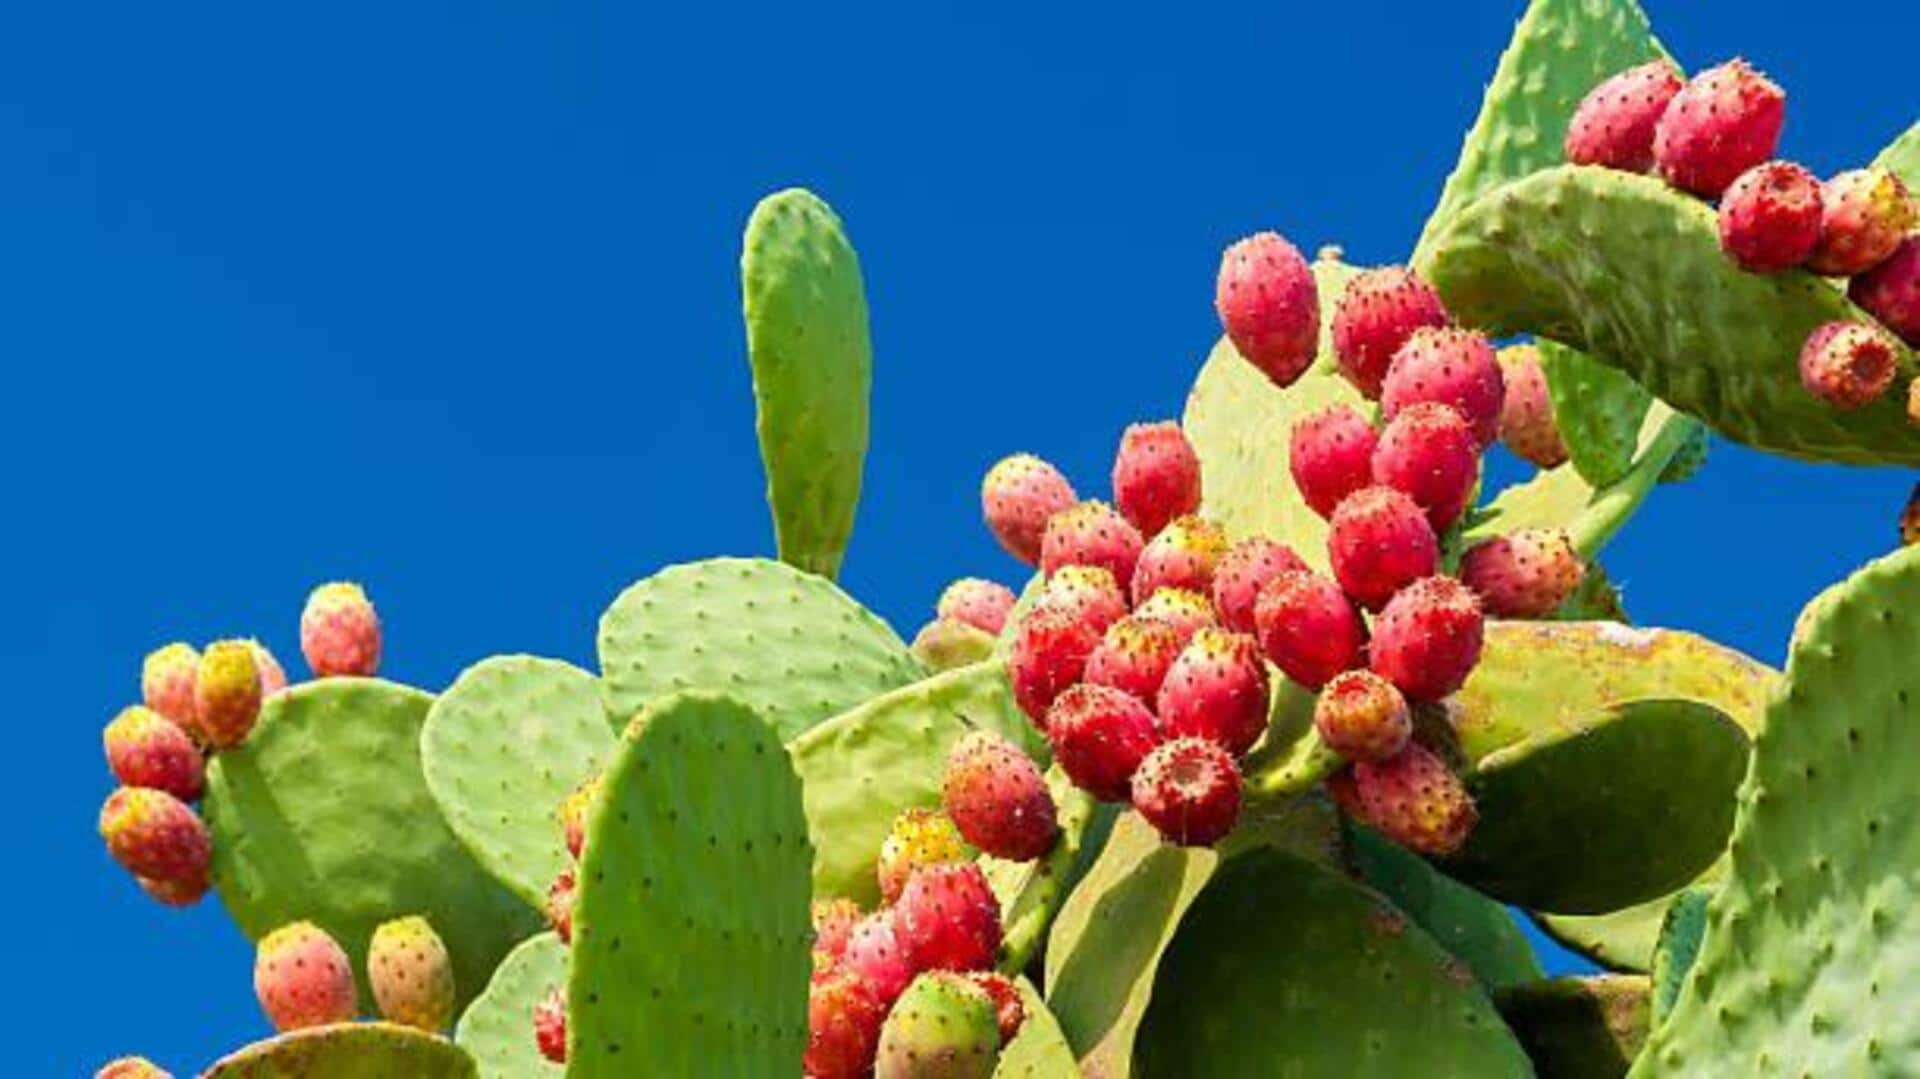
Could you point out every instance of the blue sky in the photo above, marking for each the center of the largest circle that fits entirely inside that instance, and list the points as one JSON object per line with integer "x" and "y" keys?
{"x": 443, "y": 297}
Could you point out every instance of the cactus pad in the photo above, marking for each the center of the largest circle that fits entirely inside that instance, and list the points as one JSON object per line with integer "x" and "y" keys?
{"x": 1040, "y": 1050}
{"x": 1684, "y": 927}
{"x": 1579, "y": 1028}
{"x": 1030, "y": 893}
{"x": 1476, "y": 930}
{"x": 1598, "y": 410}
{"x": 1902, "y": 157}
{"x": 498, "y": 1026}
{"x": 347, "y": 1051}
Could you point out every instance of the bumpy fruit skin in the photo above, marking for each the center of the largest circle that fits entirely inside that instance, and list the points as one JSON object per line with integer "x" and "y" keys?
{"x": 1524, "y": 574}
{"x": 146, "y": 749}
{"x": 1217, "y": 690}
{"x": 1091, "y": 534}
{"x": 1866, "y": 214}
{"x": 131, "y": 1068}
{"x": 1087, "y": 594}
{"x": 1308, "y": 628}
{"x": 919, "y": 837}
{"x": 302, "y": 978}
{"x": 1049, "y": 653}
{"x": 1184, "y": 555}
{"x": 997, "y": 798}
{"x": 1429, "y": 453}
{"x": 1099, "y": 736}
{"x": 876, "y": 953}
{"x": 1910, "y": 519}
{"x": 843, "y": 1026}
{"x": 173, "y": 893}
{"x": 948, "y": 919}
{"x": 1725, "y": 121}
{"x": 411, "y": 974}
{"x": 1189, "y": 790}
{"x": 1890, "y": 291}
{"x": 273, "y": 677}
{"x": 1185, "y": 610}
{"x": 833, "y": 922}
{"x": 1134, "y": 656}
{"x": 1428, "y": 637}
{"x": 1614, "y": 124}
{"x": 1243, "y": 571}
{"x": 1451, "y": 367}
{"x": 1770, "y": 217}
{"x": 1848, "y": 364}
{"x": 979, "y": 603}
{"x": 166, "y": 682}
{"x": 561, "y": 895}
{"x": 226, "y": 694}
{"x": 340, "y": 632}
{"x": 1269, "y": 305}
{"x": 573, "y": 813}
{"x": 1010, "y": 1012}
{"x": 1156, "y": 476}
{"x": 1019, "y": 495}
{"x": 550, "y": 1025}
{"x": 1362, "y": 717}
{"x": 944, "y": 1027}
{"x": 1330, "y": 454}
{"x": 1416, "y": 801}
{"x": 1380, "y": 309}
{"x": 1380, "y": 541}
{"x": 155, "y": 835}
{"x": 1527, "y": 423}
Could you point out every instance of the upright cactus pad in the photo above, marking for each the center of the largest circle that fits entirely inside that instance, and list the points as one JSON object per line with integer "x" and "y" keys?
{"x": 1476, "y": 930}
{"x": 497, "y": 1028}
{"x": 347, "y": 1051}
{"x": 1040, "y": 1050}
{"x": 1902, "y": 156}
{"x": 1684, "y": 927}
{"x": 806, "y": 312}
{"x": 1598, "y": 410}
{"x": 676, "y": 971}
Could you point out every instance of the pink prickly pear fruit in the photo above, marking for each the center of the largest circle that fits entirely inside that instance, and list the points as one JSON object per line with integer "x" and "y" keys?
{"x": 919, "y": 837}
{"x": 948, "y": 919}
{"x": 1528, "y": 573}
{"x": 226, "y": 694}
{"x": 1134, "y": 656}
{"x": 1049, "y": 653}
{"x": 411, "y": 974}
{"x": 877, "y": 955}
{"x": 1099, "y": 736}
{"x": 152, "y": 834}
{"x": 574, "y": 811}
{"x": 561, "y": 895}
{"x": 1184, "y": 609}
{"x": 1184, "y": 555}
{"x": 1189, "y": 790}
{"x": 1429, "y": 453}
{"x": 1330, "y": 454}
{"x": 1376, "y": 314}
{"x": 1866, "y": 213}
{"x": 833, "y": 922}
{"x": 550, "y": 1025}
{"x": 166, "y": 682}
{"x": 1217, "y": 690}
{"x": 1450, "y": 367}
{"x": 1091, "y": 534}
{"x": 844, "y": 1017}
{"x": 302, "y": 978}
{"x": 145, "y": 749}
{"x": 1527, "y": 423}
{"x": 1413, "y": 799}
{"x": 131, "y": 1068}
{"x": 1910, "y": 519}
{"x": 998, "y": 799}
{"x": 1848, "y": 364}
{"x": 1890, "y": 291}
{"x": 1243, "y": 571}
{"x": 1428, "y": 638}
{"x": 1019, "y": 495}
{"x": 339, "y": 632}
{"x": 979, "y": 603}
{"x": 1770, "y": 217}
{"x": 273, "y": 677}
{"x": 1309, "y": 628}
{"x": 1010, "y": 1012}
{"x": 1362, "y": 717}
{"x": 1269, "y": 305}
{"x": 1380, "y": 542}
{"x": 1614, "y": 125}
{"x": 1725, "y": 121}
{"x": 1156, "y": 476}
{"x": 1088, "y": 594}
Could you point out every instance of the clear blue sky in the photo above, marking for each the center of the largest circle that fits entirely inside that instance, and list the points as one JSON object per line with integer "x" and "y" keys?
{"x": 443, "y": 297}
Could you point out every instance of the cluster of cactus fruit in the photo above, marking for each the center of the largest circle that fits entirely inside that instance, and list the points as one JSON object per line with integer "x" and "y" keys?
{"x": 1254, "y": 773}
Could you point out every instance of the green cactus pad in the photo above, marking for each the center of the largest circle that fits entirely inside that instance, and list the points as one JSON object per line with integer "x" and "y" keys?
{"x": 788, "y": 644}
{"x": 806, "y": 312}
{"x": 1040, "y": 1050}
{"x": 1684, "y": 927}
{"x": 1689, "y": 459}
{"x": 497, "y": 1027}
{"x": 1631, "y": 272}
{"x": 1286, "y": 967}
{"x": 323, "y": 815}
{"x": 691, "y": 945}
{"x": 511, "y": 738}
{"x": 1597, "y": 599}
{"x": 1579, "y": 1028}
{"x": 1809, "y": 966}
{"x": 1598, "y": 409}
{"x": 348, "y": 1051}
{"x": 1622, "y": 940}
{"x": 1030, "y": 893}
{"x": 1903, "y": 157}
{"x": 1476, "y": 930}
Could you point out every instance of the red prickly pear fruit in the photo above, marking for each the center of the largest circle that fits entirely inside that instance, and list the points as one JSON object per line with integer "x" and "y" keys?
{"x": 1413, "y": 799}
{"x": 1429, "y": 453}
{"x": 1527, "y": 423}
{"x": 1330, "y": 454}
{"x": 1019, "y": 495}
{"x": 1134, "y": 656}
{"x": 1890, "y": 291}
{"x": 302, "y": 978}
{"x": 1428, "y": 637}
{"x": 1528, "y": 573}
{"x": 833, "y": 922}
{"x": 843, "y": 1026}
{"x": 1269, "y": 305}
{"x": 340, "y": 632}
{"x": 1362, "y": 717}
{"x": 878, "y": 956}
{"x": 997, "y": 798}
{"x": 1087, "y": 594}
{"x": 1156, "y": 476}
{"x": 1866, "y": 213}
{"x": 1184, "y": 555}
{"x": 574, "y": 811}
{"x": 1010, "y": 1012}
{"x": 174, "y": 893}
{"x": 131, "y": 1068}
{"x": 1189, "y": 790}
{"x": 1345, "y": 795}
{"x": 1184, "y": 609}
{"x": 1380, "y": 309}
{"x": 1243, "y": 571}
{"x": 153, "y": 834}
{"x": 918, "y": 837}
{"x": 948, "y": 919}
{"x": 226, "y": 694}
{"x": 273, "y": 678}
{"x": 1910, "y": 519}
{"x": 1451, "y": 367}
{"x": 1091, "y": 534}
{"x": 1614, "y": 125}
{"x": 1049, "y": 654}
{"x": 1725, "y": 121}
{"x": 560, "y": 899}
{"x": 1770, "y": 217}
{"x": 1848, "y": 364}
{"x": 1380, "y": 542}
{"x": 1099, "y": 736}
{"x": 166, "y": 682}
{"x": 146, "y": 749}
{"x": 411, "y": 974}
{"x": 1308, "y": 628}
{"x": 979, "y": 603}
{"x": 1217, "y": 690}
{"x": 550, "y": 1025}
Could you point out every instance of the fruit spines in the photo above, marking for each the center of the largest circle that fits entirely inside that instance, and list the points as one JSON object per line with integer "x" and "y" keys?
{"x": 1330, "y": 455}
{"x": 1217, "y": 690}
{"x": 977, "y": 602}
{"x": 145, "y": 749}
{"x": 1865, "y": 214}
{"x": 1451, "y": 367}
{"x": 1528, "y": 573}
{"x": 1614, "y": 124}
{"x": 1527, "y": 423}
{"x": 302, "y": 978}
{"x": 1726, "y": 120}
{"x": 1376, "y": 314}
{"x": 1243, "y": 571}
{"x": 1309, "y": 628}
{"x": 159, "y": 838}
{"x": 997, "y": 798}
{"x": 1091, "y": 534}
{"x": 340, "y": 632}
{"x": 1184, "y": 555}
{"x": 1099, "y": 736}
{"x": 1189, "y": 790}
{"x": 919, "y": 837}
{"x": 1428, "y": 637}
{"x": 411, "y": 974}
{"x": 166, "y": 682}
{"x": 1848, "y": 364}
{"x": 1361, "y": 716}
{"x": 1269, "y": 306}
{"x": 1429, "y": 452}
{"x": 1379, "y": 542}
{"x": 1018, "y": 496}
{"x": 942, "y": 1027}
{"x": 1770, "y": 217}
{"x": 1414, "y": 799}
{"x": 226, "y": 694}
{"x": 1156, "y": 476}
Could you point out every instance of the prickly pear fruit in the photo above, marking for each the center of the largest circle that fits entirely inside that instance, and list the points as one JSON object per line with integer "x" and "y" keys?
{"x": 411, "y": 974}
{"x": 1156, "y": 476}
{"x": 1091, "y": 534}
{"x": 1050, "y": 650}
{"x": 1089, "y": 594}
{"x": 1614, "y": 124}
{"x": 1330, "y": 454}
{"x": 1010, "y": 1012}
{"x": 560, "y": 899}
{"x": 1380, "y": 542}
{"x": 1099, "y": 736}
{"x": 843, "y": 1026}
{"x": 550, "y": 1025}
{"x": 573, "y": 813}
{"x": 1428, "y": 637}
{"x": 1380, "y": 309}
{"x": 1524, "y": 574}
{"x": 302, "y": 978}
{"x": 273, "y": 678}
{"x": 1910, "y": 519}
{"x": 1134, "y": 656}
{"x": 997, "y": 798}
{"x": 876, "y": 953}
{"x": 1770, "y": 217}
{"x": 1848, "y": 364}
{"x": 918, "y": 837}
{"x": 1527, "y": 423}
{"x": 1362, "y": 717}
{"x": 1217, "y": 690}
{"x": 1269, "y": 306}
{"x": 1865, "y": 215}
{"x": 1184, "y": 555}
{"x": 226, "y": 694}
{"x": 1891, "y": 291}
{"x": 1308, "y": 628}
{"x": 1415, "y": 800}
{"x": 833, "y": 922}
{"x": 1189, "y": 790}
{"x": 943, "y": 1027}
{"x": 1182, "y": 608}
{"x": 943, "y": 644}
{"x": 131, "y": 1068}
{"x": 948, "y": 919}
{"x": 152, "y": 834}
{"x": 166, "y": 682}
{"x": 977, "y": 602}
{"x": 146, "y": 749}
{"x": 1725, "y": 121}
{"x": 1243, "y": 571}
{"x": 1429, "y": 453}
{"x": 1452, "y": 367}
{"x": 1019, "y": 496}
{"x": 339, "y": 631}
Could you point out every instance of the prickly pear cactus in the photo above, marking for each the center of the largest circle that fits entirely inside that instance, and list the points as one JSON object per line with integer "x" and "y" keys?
{"x": 347, "y": 1051}
{"x": 1579, "y": 1028}
{"x": 497, "y": 1027}
{"x": 1599, "y": 411}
